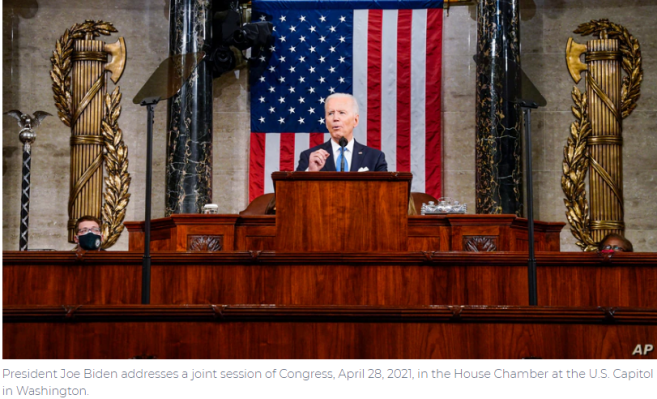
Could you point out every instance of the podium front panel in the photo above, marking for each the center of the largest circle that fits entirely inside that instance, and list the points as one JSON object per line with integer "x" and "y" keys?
{"x": 332, "y": 211}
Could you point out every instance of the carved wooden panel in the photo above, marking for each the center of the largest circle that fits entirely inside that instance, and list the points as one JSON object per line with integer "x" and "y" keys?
{"x": 332, "y": 278}
{"x": 480, "y": 243}
{"x": 205, "y": 243}
{"x": 329, "y": 332}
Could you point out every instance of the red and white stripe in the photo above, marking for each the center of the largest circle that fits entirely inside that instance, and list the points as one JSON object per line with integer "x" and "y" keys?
{"x": 397, "y": 82}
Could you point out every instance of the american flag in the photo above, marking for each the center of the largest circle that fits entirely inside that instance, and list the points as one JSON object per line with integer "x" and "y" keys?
{"x": 388, "y": 58}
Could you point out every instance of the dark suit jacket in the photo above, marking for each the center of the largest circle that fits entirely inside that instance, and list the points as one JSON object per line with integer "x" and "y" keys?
{"x": 362, "y": 157}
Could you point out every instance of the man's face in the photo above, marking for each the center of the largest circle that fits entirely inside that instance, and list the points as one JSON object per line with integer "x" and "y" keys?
{"x": 340, "y": 118}
{"x": 85, "y": 226}
{"x": 614, "y": 244}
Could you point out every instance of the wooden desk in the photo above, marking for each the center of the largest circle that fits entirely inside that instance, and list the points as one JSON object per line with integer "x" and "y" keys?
{"x": 324, "y": 332}
{"x": 225, "y": 233}
{"x": 375, "y": 279}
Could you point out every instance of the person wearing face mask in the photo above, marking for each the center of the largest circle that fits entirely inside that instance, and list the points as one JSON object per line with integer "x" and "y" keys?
{"x": 341, "y": 118}
{"x": 88, "y": 234}
{"x": 615, "y": 243}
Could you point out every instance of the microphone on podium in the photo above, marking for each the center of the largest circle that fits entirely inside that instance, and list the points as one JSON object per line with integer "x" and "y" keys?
{"x": 343, "y": 143}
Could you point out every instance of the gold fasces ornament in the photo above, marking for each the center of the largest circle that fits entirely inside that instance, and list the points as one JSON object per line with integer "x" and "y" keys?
{"x": 79, "y": 67}
{"x": 595, "y": 140}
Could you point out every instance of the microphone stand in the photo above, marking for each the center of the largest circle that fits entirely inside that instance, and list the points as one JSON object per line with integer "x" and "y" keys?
{"x": 150, "y": 104}
{"x": 527, "y": 106}
{"x": 163, "y": 84}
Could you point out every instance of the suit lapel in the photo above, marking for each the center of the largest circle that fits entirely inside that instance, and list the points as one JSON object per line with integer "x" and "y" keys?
{"x": 356, "y": 157}
{"x": 329, "y": 166}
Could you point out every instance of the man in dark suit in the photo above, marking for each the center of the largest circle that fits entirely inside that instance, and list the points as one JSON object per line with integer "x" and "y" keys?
{"x": 341, "y": 119}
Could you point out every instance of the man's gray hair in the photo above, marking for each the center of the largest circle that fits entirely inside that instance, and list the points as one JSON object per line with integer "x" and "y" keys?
{"x": 342, "y": 95}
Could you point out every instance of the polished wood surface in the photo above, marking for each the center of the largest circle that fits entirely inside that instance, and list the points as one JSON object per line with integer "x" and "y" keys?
{"x": 395, "y": 278}
{"x": 424, "y": 233}
{"x": 333, "y": 211}
{"x": 332, "y": 332}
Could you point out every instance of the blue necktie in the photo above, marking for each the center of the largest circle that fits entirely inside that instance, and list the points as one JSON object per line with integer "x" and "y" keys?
{"x": 339, "y": 161}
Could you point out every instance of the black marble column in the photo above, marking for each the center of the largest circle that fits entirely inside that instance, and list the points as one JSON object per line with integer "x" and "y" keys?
{"x": 189, "y": 124}
{"x": 498, "y": 141}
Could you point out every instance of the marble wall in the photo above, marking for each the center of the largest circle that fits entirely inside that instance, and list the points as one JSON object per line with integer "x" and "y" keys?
{"x": 30, "y": 29}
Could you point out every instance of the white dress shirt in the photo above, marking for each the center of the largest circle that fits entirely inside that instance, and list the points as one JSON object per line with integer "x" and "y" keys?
{"x": 348, "y": 153}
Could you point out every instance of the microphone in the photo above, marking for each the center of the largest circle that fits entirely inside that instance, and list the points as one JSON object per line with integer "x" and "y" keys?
{"x": 343, "y": 143}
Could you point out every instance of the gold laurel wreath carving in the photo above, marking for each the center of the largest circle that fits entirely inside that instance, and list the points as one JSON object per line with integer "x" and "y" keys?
{"x": 118, "y": 179}
{"x": 576, "y": 158}
{"x": 117, "y": 182}
{"x": 575, "y": 166}
{"x": 629, "y": 47}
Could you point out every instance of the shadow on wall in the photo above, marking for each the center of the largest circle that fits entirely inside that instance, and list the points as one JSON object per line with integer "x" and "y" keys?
{"x": 24, "y": 8}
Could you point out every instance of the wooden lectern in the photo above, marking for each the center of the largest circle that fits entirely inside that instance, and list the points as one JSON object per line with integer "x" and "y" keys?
{"x": 336, "y": 212}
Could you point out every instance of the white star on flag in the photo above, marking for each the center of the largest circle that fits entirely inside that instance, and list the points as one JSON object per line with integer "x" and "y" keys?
{"x": 302, "y": 121}
{"x": 272, "y": 89}
{"x": 291, "y": 89}
{"x": 322, "y": 18}
{"x": 332, "y": 69}
{"x": 322, "y": 39}
{"x": 282, "y": 58}
{"x": 342, "y": 18}
{"x": 302, "y": 38}
{"x": 283, "y": 39}
{"x": 332, "y": 90}
{"x": 281, "y": 79}
{"x": 302, "y": 18}
{"x": 262, "y": 79}
{"x": 311, "y": 69}
{"x": 313, "y": 29}
{"x": 293, "y": 29}
{"x": 312, "y": 89}
{"x": 281, "y": 100}
{"x": 332, "y": 49}
{"x": 341, "y": 79}
{"x": 262, "y": 18}
{"x": 281, "y": 120}
{"x": 262, "y": 58}
{"x": 321, "y": 100}
{"x": 261, "y": 99}
{"x": 293, "y": 49}
{"x": 312, "y": 49}
{"x": 302, "y": 59}
{"x": 341, "y": 60}
{"x": 272, "y": 110}
{"x": 321, "y": 79}
{"x": 272, "y": 48}
{"x": 302, "y": 100}
{"x": 292, "y": 69}
{"x": 262, "y": 119}
{"x": 282, "y": 18}
{"x": 272, "y": 68}
{"x": 342, "y": 39}
{"x": 321, "y": 59}
{"x": 302, "y": 79}
{"x": 332, "y": 29}
{"x": 321, "y": 120}
{"x": 311, "y": 110}
{"x": 291, "y": 110}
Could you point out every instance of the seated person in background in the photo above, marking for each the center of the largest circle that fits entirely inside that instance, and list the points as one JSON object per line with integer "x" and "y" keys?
{"x": 615, "y": 243}
{"x": 88, "y": 235}
{"x": 341, "y": 118}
